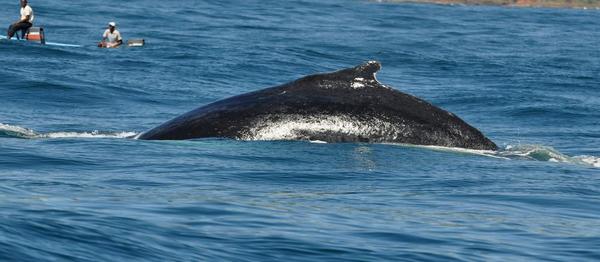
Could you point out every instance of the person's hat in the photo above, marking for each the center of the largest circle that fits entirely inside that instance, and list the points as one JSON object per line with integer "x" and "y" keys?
{"x": 113, "y": 24}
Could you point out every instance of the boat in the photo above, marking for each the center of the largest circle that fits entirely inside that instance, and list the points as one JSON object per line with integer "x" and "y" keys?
{"x": 35, "y": 35}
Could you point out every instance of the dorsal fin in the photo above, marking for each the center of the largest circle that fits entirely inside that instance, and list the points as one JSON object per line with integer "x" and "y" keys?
{"x": 366, "y": 70}
{"x": 355, "y": 77}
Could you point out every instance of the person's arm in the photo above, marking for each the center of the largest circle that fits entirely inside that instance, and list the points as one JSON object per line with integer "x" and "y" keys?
{"x": 103, "y": 41}
{"x": 119, "y": 40}
{"x": 105, "y": 36}
{"x": 26, "y": 19}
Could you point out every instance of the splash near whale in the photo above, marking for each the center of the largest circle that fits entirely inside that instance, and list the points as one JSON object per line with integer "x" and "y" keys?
{"x": 349, "y": 105}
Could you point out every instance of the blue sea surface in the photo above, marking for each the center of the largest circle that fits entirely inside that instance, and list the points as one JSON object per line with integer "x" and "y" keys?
{"x": 74, "y": 185}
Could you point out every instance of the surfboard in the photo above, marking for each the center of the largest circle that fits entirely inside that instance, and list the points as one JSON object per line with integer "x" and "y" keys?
{"x": 129, "y": 43}
{"x": 63, "y": 45}
{"x": 4, "y": 38}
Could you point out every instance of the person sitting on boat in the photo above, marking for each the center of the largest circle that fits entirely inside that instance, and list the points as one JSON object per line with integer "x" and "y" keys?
{"x": 111, "y": 37}
{"x": 24, "y": 23}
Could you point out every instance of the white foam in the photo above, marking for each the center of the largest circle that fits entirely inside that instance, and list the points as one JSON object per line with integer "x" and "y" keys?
{"x": 19, "y": 131}
{"x": 487, "y": 153}
{"x": 28, "y": 133}
{"x": 93, "y": 134}
{"x": 590, "y": 160}
{"x": 545, "y": 153}
{"x": 530, "y": 152}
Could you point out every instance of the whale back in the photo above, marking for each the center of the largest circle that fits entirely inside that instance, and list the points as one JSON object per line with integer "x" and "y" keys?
{"x": 348, "y": 105}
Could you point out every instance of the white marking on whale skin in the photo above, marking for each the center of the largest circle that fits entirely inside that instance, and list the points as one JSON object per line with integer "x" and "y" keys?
{"x": 360, "y": 82}
{"x": 326, "y": 86}
{"x": 297, "y": 127}
{"x": 357, "y": 85}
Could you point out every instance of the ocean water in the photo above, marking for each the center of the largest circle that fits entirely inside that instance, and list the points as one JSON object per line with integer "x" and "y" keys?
{"x": 74, "y": 185}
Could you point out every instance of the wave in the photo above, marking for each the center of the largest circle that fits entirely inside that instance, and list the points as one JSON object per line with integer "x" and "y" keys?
{"x": 25, "y": 133}
{"x": 546, "y": 153}
{"x": 527, "y": 152}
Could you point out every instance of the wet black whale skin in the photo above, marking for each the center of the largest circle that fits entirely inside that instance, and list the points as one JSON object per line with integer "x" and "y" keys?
{"x": 352, "y": 94}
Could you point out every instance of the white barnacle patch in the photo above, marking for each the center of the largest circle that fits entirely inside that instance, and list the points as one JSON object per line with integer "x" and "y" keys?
{"x": 319, "y": 127}
{"x": 358, "y": 83}
{"x": 326, "y": 85}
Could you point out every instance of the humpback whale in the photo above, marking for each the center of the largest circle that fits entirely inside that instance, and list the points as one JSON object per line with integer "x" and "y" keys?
{"x": 348, "y": 105}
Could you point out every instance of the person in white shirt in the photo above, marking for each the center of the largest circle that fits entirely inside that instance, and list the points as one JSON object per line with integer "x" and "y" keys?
{"x": 111, "y": 37}
{"x": 24, "y": 23}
